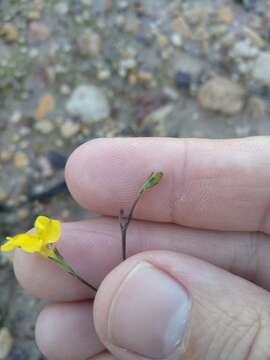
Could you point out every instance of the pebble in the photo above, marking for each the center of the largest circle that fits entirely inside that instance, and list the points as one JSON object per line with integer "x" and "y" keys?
{"x": 261, "y": 69}
{"x": 44, "y": 126}
{"x": 45, "y": 106}
{"x": 69, "y": 129}
{"x": 6, "y": 155}
{"x": 89, "y": 103}
{"x": 176, "y": 40}
{"x": 9, "y": 32}
{"x": 38, "y": 31}
{"x": 225, "y": 14}
{"x": 3, "y": 195}
{"x": 183, "y": 79}
{"x": 244, "y": 49}
{"x": 222, "y": 95}
{"x": 158, "y": 115}
{"x": 21, "y": 160}
{"x": 89, "y": 43}
{"x": 6, "y": 342}
{"x": 45, "y": 166}
{"x": 61, "y": 8}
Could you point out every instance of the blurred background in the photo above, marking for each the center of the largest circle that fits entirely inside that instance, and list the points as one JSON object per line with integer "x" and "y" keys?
{"x": 74, "y": 70}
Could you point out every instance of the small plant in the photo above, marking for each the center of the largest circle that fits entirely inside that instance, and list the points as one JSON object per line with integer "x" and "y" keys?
{"x": 48, "y": 231}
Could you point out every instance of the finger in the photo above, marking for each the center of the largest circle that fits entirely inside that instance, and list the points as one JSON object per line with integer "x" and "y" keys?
{"x": 93, "y": 248}
{"x": 210, "y": 184}
{"x": 104, "y": 356}
{"x": 157, "y": 305}
{"x": 66, "y": 331}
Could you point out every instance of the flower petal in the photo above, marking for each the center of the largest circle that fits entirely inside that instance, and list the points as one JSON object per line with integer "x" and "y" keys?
{"x": 9, "y": 245}
{"x": 28, "y": 242}
{"x": 49, "y": 230}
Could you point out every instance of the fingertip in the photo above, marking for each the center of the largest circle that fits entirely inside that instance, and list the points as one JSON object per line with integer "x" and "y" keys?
{"x": 66, "y": 331}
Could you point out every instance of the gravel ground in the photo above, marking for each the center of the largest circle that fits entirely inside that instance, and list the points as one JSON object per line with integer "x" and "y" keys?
{"x": 75, "y": 70}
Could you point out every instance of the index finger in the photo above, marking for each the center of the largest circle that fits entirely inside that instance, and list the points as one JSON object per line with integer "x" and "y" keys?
{"x": 208, "y": 184}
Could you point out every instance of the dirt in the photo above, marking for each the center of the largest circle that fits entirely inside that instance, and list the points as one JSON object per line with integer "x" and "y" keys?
{"x": 149, "y": 61}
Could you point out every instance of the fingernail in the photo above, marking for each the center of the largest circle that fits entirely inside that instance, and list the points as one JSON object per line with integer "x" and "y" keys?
{"x": 149, "y": 313}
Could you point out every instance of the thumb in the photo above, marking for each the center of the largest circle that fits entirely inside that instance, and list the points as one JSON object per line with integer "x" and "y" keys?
{"x": 162, "y": 305}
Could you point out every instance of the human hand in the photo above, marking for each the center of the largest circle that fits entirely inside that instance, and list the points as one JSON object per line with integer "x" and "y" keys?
{"x": 197, "y": 283}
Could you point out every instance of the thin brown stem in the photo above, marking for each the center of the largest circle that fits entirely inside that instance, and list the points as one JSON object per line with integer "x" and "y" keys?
{"x": 82, "y": 280}
{"x": 124, "y": 225}
{"x": 60, "y": 260}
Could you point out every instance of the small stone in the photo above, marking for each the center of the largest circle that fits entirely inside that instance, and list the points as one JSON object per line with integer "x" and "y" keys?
{"x": 89, "y": 103}
{"x": 9, "y": 32}
{"x": 6, "y": 342}
{"x": 45, "y": 106}
{"x": 183, "y": 79}
{"x": 69, "y": 129}
{"x": 21, "y": 160}
{"x": 225, "y": 14}
{"x": 122, "y": 4}
{"x": 89, "y": 43}
{"x": 33, "y": 53}
{"x": 65, "y": 89}
{"x": 61, "y": 8}
{"x": 162, "y": 40}
{"x": 222, "y": 95}
{"x": 39, "y": 31}
{"x": 3, "y": 196}
{"x": 45, "y": 166}
{"x": 257, "y": 107}
{"x": 159, "y": 115}
{"x": 6, "y": 155}
{"x": 34, "y": 14}
{"x": 261, "y": 69}
{"x": 44, "y": 126}
{"x": 104, "y": 74}
{"x": 145, "y": 76}
{"x": 176, "y": 40}
{"x": 244, "y": 49}
{"x": 16, "y": 117}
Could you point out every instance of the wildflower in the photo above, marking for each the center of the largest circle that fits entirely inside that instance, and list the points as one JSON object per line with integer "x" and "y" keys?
{"x": 47, "y": 232}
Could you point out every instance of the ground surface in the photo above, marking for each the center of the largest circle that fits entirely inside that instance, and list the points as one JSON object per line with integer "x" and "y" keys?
{"x": 75, "y": 70}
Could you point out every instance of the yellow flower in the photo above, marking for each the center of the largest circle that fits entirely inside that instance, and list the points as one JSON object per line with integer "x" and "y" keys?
{"x": 47, "y": 232}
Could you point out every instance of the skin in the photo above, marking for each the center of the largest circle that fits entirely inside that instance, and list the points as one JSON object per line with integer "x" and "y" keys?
{"x": 206, "y": 226}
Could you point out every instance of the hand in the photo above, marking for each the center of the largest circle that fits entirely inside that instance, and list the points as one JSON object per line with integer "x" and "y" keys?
{"x": 197, "y": 283}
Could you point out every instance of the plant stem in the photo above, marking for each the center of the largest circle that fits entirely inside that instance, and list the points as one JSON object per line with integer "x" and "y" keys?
{"x": 82, "y": 280}
{"x": 60, "y": 260}
{"x": 124, "y": 225}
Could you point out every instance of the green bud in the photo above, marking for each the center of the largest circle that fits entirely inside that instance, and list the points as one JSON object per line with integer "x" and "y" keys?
{"x": 152, "y": 181}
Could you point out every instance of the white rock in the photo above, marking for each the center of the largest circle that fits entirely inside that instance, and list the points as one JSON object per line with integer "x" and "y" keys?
{"x": 69, "y": 129}
{"x": 5, "y": 343}
{"x": 261, "y": 69}
{"x": 176, "y": 40}
{"x": 222, "y": 95}
{"x": 244, "y": 49}
{"x": 89, "y": 103}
